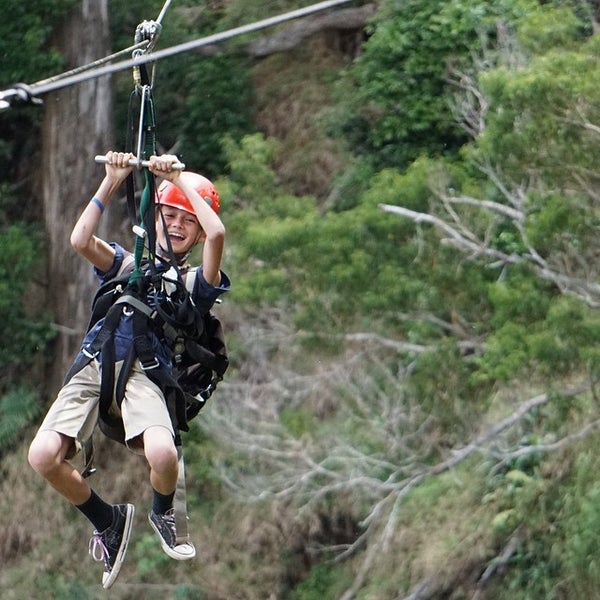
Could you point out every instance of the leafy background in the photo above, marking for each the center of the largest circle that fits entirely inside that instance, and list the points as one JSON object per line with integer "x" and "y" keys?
{"x": 412, "y": 219}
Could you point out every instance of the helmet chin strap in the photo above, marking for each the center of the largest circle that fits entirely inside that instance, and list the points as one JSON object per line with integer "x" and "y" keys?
{"x": 181, "y": 259}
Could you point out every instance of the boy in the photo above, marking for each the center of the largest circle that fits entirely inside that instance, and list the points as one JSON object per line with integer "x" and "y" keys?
{"x": 189, "y": 205}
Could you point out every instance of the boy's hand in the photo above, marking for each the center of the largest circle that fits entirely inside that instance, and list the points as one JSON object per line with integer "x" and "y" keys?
{"x": 162, "y": 166}
{"x": 117, "y": 165}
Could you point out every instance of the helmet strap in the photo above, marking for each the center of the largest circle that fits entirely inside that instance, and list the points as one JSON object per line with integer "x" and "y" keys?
{"x": 180, "y": 259}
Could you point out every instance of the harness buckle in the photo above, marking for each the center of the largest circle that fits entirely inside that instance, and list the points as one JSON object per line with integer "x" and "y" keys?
{"x": 139, "y": 231}
{"x": 89, "y": 354}
{"x": 148, "y": 367}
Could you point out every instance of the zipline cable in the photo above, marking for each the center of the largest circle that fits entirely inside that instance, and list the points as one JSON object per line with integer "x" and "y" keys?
{"x": 163, "y": 11}
{"x": 30, "y": 93}
{"x": 97, "y": 63}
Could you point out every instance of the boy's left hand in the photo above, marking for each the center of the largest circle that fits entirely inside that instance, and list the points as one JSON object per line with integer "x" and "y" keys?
{"x": 162, "y": 166}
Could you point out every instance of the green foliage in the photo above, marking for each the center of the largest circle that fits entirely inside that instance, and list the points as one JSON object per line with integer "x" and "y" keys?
{"x": 535, "y": 333}
{"x": 28, "y": 55}
{"x": 218, "y": 103}
{"x": 560, "y": 223}
{"x": 521, "y": 300}
{"x": 354, "y": 268}
{"x": 557, "y": 556}
{"x": 189, "y": 592}
{"x": 324, "y": 582}
{"x": 555, "y": 26}
{"x": 350, "y": 185}
{"x": 251, "y": 171}
{"x": 18, "y": 262}
{"x": 71, "y": 590}
{"x": 18, "y": 408}
{"x": 335, "y": 267}
{"x": 582, "y": 518}
{"x": 534, "y": 574}
{"x": 298, "y": 421}
{"x": 25, "y": 38}
{"x": 544, "y": 106}
{"x": 149, "y": 557}
{"x": 449, "y": 390}
{"x": 398, "y": 96}
{"x": 29, "y": 332}
{"x": 204, "y": 487}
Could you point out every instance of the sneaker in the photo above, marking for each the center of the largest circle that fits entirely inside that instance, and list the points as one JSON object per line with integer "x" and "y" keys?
{"x": 110, "y": 545}
{"x": 164, "y": 525}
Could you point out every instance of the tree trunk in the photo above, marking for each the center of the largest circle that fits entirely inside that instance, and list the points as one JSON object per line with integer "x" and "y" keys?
{"x": 76, "y": 126}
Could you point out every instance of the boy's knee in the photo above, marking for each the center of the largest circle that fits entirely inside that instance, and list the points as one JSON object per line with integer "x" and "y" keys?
{"x": 43, "y": 453}
{"x": 161, "y": 452}
{"x": 37, "y": 456}
{"x": 163, "y": 457}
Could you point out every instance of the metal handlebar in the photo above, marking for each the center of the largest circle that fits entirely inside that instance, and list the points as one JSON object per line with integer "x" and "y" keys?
{"x": 133, "y": 162}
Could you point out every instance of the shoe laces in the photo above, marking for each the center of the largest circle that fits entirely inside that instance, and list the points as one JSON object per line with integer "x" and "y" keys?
{"x": 97, "y": 548}
{"x": 167, "y": 520}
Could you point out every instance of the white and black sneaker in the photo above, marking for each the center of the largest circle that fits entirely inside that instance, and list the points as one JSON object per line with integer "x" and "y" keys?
{"x": 110, "y": 545}
{"x": 165, "y": 527}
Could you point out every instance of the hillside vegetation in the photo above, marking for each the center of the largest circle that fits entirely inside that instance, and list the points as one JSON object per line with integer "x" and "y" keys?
{"x": 411, "y": 409}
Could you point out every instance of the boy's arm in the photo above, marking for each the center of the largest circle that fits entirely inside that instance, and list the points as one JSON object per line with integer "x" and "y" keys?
{"x": 214, "y": 230}
{"x": 83, "y": 237}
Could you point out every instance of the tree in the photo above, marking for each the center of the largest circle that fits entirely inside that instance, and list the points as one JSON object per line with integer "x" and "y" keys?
{"x": 28, "y": 54}
{"x": 77, "y": 125}
{"x": 395, "y": 104}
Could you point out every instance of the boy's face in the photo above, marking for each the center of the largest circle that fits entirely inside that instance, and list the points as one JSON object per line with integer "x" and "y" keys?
{"x": 182, "y": 228}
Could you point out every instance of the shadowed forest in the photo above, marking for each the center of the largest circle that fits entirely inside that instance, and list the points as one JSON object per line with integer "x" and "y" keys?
{"x": 412, "y": 206}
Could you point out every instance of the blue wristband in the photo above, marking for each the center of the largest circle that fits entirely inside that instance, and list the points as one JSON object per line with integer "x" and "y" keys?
{"x": 98, "y": 204}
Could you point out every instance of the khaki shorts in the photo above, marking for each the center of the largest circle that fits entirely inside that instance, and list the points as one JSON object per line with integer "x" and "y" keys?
{"x": 74, "y": 413}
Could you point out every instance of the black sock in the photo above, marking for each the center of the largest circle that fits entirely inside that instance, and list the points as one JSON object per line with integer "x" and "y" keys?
{"x": 97, "y": 511}
{"x": 161, "y": 503}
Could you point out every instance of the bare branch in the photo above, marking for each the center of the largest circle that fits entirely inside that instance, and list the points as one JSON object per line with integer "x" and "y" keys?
{"x": 477, "y": 248}
{"x": 500, "y": 209}
{"x": 585, "y": 289}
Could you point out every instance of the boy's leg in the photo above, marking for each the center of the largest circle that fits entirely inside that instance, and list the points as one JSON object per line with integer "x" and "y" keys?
{"x": 47, "y": 456}
{"x": 146, "y": 417}
{"x": 161, "y": 454}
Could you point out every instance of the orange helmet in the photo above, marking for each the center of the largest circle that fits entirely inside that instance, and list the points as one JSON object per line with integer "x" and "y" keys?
{"x": 170, "y": 195}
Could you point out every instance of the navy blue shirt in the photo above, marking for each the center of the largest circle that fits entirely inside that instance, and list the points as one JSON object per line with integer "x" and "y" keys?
{"x": 204, "y": 295}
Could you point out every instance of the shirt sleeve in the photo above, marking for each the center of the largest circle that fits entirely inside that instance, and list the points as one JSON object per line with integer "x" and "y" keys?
{"x": 205, "y": 294}
{"x": 120, "y": 253}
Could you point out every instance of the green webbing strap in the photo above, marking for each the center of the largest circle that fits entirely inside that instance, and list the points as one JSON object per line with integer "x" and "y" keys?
{"x": 146, "y": 148}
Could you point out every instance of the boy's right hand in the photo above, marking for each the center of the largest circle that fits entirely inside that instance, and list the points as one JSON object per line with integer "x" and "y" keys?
{"x": 117, "y": 165}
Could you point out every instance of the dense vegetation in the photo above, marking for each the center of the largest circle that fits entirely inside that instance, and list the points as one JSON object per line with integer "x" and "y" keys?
{"x": 412, "y": 406}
